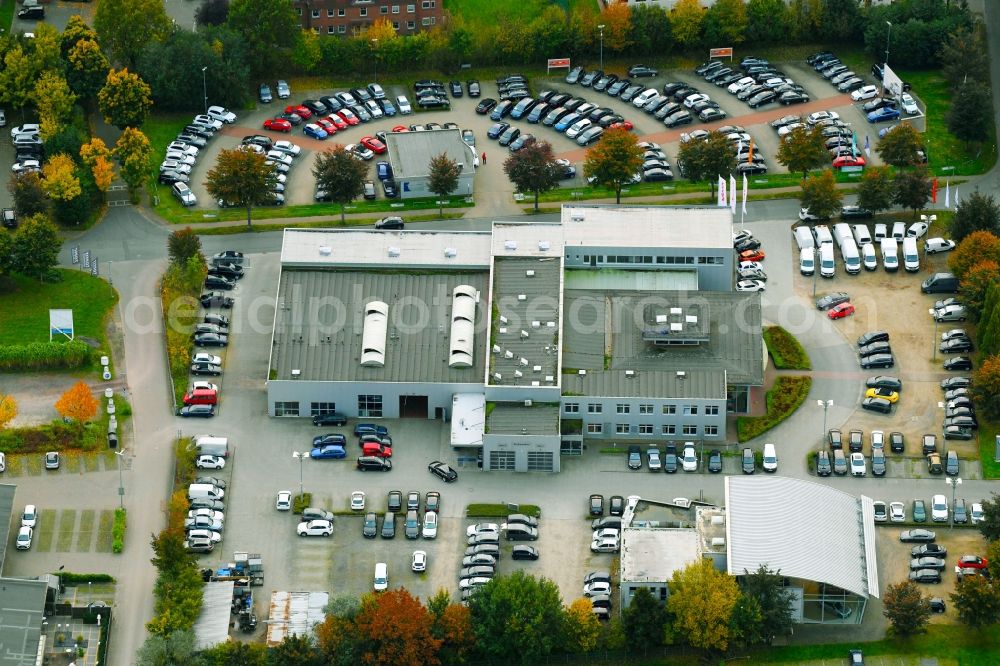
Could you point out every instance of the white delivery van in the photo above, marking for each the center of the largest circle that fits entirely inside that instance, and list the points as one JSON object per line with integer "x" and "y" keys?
{"x": 899, "y": 230}
{"x": 826, "y": 266}
{"x": 381, "y": 577}
{"x": 890, "y": 255}
{"x": 842, "y": 232}
{"x": 807, "y": 261}
{"x": 911, "y": 257}
{"x": 770, "y": 458}
{"x": 852, "y": 259}
{"x": 210, "y": 445}
{"x": 823, "y": 234}
{"x": 804, "y": 237}
{"x": 861, "y": 235}
{"x": 868, "y": 257}
{"x": 205, "y": 491}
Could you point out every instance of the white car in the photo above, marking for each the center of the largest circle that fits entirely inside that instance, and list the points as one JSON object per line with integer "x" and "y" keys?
{"x": 315, "y": 528}
{"x": 787, "y": 129}
{"x": 284, "y": 501}
{"x": 470, "y": 583}
{"x": 939, "y": 508}
{"x": 183, "y": 148}
{"x": 878, "y": 439}
{"x": 25, "y": 166}
{"x": 202, "y": 357}
{"x": 30, "y": 128}
{"x": 480, "y": 528}
{"x": 419, "y": 561}
{"x": 3, "y": 462}
{"x": 605, "y": 533}
{"x": 24, "y": 538}
{"x": 284, "y": 92}
{"x": 742, "y": 235}
{"x": 203, "y": 522}
{"x": 357, "y": 501}
{"x": 750, "y": 266}
{"x": 279, "y": 157}
{"x": 741, "y": 84}
{"x": 287, "y": 147}
{"x": 935, "y": 245}
{"x": 204, "y": 386}
{"x": 814, "y": 118}
{"x": 207, "y": 513}
{"x": 214, "y": 123}
{"x": 214, "y": 537}
{"x": 689, "y": 459}
{"x": 859, "y": 466}
{"x": 183, "y": 193}
{"x": 881, "y": 511}
{"x": 864, "y": 92}
{"x": 577, "y": 127}
{"x": 210, "y": 462}
{"x": 596, "y": 587}
{"x": 977, "y": 513}
{"x": 916, "y": 230}
{"x": 178, "y": 156}
{"x": 430, "y": 529}
{"x": 30, "y": 516}
{"x": 751, "y": 285}
{"x": 404, "y": 105}
{"x": 642, "y": 99}
{"x": 222, "y": 114}
{"x": 897, "y": 512}
{"x": 909, "y": 105}
{"x": 604, "y": 545}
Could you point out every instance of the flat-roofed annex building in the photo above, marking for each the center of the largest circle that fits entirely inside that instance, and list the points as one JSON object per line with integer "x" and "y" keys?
{"x": 529, "y": 338}
{"x": 410, "y": 155}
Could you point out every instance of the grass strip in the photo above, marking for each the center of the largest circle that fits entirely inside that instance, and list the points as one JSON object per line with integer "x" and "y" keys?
{"x": 67, "y": 527}
{"x": 785, "y": 350}
{"x": 45, "y": 529}
{"x": 91, "y": 462}
{"x": 85, "y": 535}
{"x": 988, "y": 431}
{"x": 325, "y": 224}
{"x": 118, "y": 531}
{"x": 33, "y": 464}
{"x": 782, "y": 401}
{"x": 72, "y": 461}
{"x": 500, "y": 510}
{"x": 25, "y": 304}
{"x": 104, "y": 531}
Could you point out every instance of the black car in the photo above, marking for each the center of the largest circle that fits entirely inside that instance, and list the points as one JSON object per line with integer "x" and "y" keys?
{"x": 373, "y": 463}
{"x": 830, "y": 300}
{"x": 897, "y": 443}
{"x": 878, "y": 361}
{"x": 485, "y": 106}
{"x": 170, "y": 177}
{"x": 36, "y": 12}
{"x": 211, "y": 340}
{"x": 715, "y": 461}
{"x": 884, "y": 381}
{"x": 642, "y": 70}
{"x": 617, "y": 87}
{"x": 370, "y": 528}
{"x": 955, "y": 383}
{"x": 390, "y": 189}
{"x": 329, "y": 419}
{"x": 508, "y": 136}
{"x": 496, "y": 130}
{"x": 455, "y": 87}
{"x": 679, "y": 118}
{"x": 958, "y": 363}
{"x": 201, "y": 411}
{"x": 524, "y": 553}
{"x": 202, "y": 368}
{"x": 748, "y": 462}
{"x": 880, "y": 405}
{"x": 216, "y": 282}
{"x": 670, "y": 463}
{"x": 873, "y": 336}
{"x": 473, "y": 87}
{"x": 875, "y": 348}
{"x": 878, "y": 462}
{"x": 634, "y": 457}
{"x": 502, "y": 110}
{"x": 230, "y": 271}
{"x": 956, "y": 346}
{"x": 442, "y": 471}
{"x": 925, "y": 576}
{"x": 616, "y": 505}
{"x": 590, "y": 78}
{"x": 823, "y": 466}
{"x": 389, "y": 525}
{"x": 597, "y": 505}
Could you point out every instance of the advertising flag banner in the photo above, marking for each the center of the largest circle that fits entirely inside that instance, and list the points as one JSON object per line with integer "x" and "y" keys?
{"x": 947, "y": 194}
{"x": 744, "y": 194}
{"x": 934, "y": 191}
{"x": 732, "y": 193}
{"x": 868, "y": 147}
{"x": 722, "y": 192}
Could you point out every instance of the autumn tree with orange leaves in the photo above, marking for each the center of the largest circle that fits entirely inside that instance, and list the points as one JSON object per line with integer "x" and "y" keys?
{"x": 8, "y": 409}
{"x": 453, "y": 625}
{"x": 97, "y": 156}
{"x": 78, "y": 403}
{"x": 394, "y": 629}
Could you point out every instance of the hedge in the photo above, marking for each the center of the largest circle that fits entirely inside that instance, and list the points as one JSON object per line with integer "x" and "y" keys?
{"x": 782, "y": 400}
{"x": 70, "y": 579}
{"x": 180, "y": 288}
{"x": 118, "y": 531}
{"x": 785, "y": 350}
{"x": 301, "y": 502}
{"x": 500, "y": 510}
{"x": 55, "y": 436}
{"x": 67, "y": 355}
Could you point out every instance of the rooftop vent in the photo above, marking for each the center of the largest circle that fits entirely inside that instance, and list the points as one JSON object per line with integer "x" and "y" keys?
{"x": 630, "y": 373}
{"x": 518, "y": 373}
{"x": 463, "y": 321}
{"x": 393, "y": 251}
{"x": 581, "y": 372}
{"x": 536, "y": 368}
{"x": 496, "y": 349}
{"x": 676, "y": 311}
{"x": 374, "y": 334}
{"x": 529, "y": 273}
{"x": 661, "y": 319}
{"x": 296, "y": 374}
{"x": 325, "y": 250}
{"x": 527, "y": 403}
{"x": 576, "y": 215}
{"x": 450, "y": 252}
{"x": 681, "y": 374}
{"x": 497, "y": 376}
{"x": 718, "y": 520}
{"x": 510, "y": 245}
{"x": 508, "y": 354}
{"x": 719, "y": 542}
{"x": 544, "y": 245}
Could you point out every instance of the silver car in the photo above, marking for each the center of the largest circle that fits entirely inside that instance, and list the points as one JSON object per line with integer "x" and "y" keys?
{"x": 950, "y": 313}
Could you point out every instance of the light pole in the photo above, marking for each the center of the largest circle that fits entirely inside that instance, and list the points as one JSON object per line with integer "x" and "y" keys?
{"x": 815, "y": 268}
{"x": 887, "y": 33}
{"x": 934, "y": 342}
{"x": 825, "y": 405}
{"x": 375, "y": 56}
{"x": 600, "y": 29}
{"x": 301, "y": 458}
{"x": 204, "y": 87}
{"x": 954, "y": 483}
{"x": 121, "y": 482}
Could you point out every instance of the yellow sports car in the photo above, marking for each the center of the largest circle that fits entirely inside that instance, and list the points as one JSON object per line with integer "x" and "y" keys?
{"x": 891, "y": 396}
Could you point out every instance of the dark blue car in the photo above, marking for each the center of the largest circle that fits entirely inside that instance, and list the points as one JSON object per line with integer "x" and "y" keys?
{"x": 335, "y": 439}
{"x": 370, "y": 429}
{"x": 883, "y": 114}
{"x": 333, "y": 451}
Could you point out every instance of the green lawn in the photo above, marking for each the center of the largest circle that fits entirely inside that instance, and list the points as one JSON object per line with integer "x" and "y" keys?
{"x": 988, "y": 431}
{"x": 479, "y": 14}
{"x": 25, "y": 304}
{"x": 6, "y": 14}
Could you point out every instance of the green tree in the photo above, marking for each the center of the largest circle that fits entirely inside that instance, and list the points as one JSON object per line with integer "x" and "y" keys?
{"x": 989, "y": 343}
{"x": 725, "y": 23}
{"x": 133, "y": 152}
{"x": 970, "y": 116}
{"x": 212, "y": 12}
{"x": 341, "y": 175}
{"x": 442, "y": 178}
{"x": 234, "y": 653}
{"x": 345, "y": 606}
{"x": 36, "y": 246}
{"x": 708, "y": 159}
{"x": 614, "y": 160}
{"x": 976, "y": 212}
{"x": 686, "y": 19}
{"x": 766, "y": 587}
{"x": 295, "y": 650}
{"x": 28, "y": 191}
{"x": 842, "y": 20}
{"x": 125, "y": 99}
{"x": 644, "y": 621}
{"x": 965, "y": 57}
{"x": 875, "y": 189}
{"x": 242, "y": 178}
{"x": 87, "y": 68}
{"x": 170, "y": 650}
{"x": 269, "y": 28}
{"x": 805, "y": 19}
{"x": 990, "y": 526}
{"x": 912, "y": 189}
{"x": 395, "y": 629}
{"x": 993, "y": 557}
{"x": 767, "y": 21}
{"x": 17, "y": 77}
{"x": 975, "y": 247}
{"x": 533, "y": 169}
{"x": 126, "y": 27}
{"x": 582, "y": 627}
{"x": 6, "y": 267}
{"x": 54, "y": 101}
{"x": 977, "y": 280}
{"x": 977, "y": 601}
{"x": 701, "y": 603}
{"x": 182, "y": 245}
{"x": 803, "y": 149}
{"x": 987, "y": 379}
{"x": 517, "y": 618}
{"x": 820, "y": 194}
{"x": 899, "y": 147}
{"x": 906, "y": 608}
{"x": 652, "y": 33}
{"x": 61, "y": 182}
{"x": 76, "y": 30}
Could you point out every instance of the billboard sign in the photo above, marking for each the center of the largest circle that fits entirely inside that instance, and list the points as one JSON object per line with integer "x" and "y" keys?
{"x": 558, "y": 63}
{"x": 891, "y": 83}
{"x": 61, "y": 323}
{"x": 726, "y": 52}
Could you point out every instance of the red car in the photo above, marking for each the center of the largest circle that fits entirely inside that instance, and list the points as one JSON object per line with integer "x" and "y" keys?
{"x": 327, "y": 125}
{"x": 373, "y": 144}
{"x": 848, "y": 160}
{"x": 277, "y": 125}
{"x": 337, "y": 121}
{"x": 400, "y": 128}
{"x": 625, "y": 125}
{"x": 972, "y": 562}
{"x": 348, "y": 117}
{"x": 302, "y": 112}
{"x": 840, "y": 311}
{"x": 752, "y": 255}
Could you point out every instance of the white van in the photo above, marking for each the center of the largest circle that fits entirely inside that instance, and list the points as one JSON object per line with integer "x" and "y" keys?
{"x": 861, "y": 234}
{"x": 880, "y": 232}
{"x": 205, "y": 491}
{"x": 841, "y": 233}
{"x": 210, "y": 445}
{"x": 899, "y": 230}
{"x": 868, "y": 257}
{"x": 826, "y": 266}
{"x": 822, "y": 233}
{"x": 911, "y": 257}
{"x": 381, "y": 577}
{"x": 890, "y": 255}
{"x": 770, "y": 458}
{"x": 852, "y": 260}
{"x": 804, "y": 237}
{"x": 807, "y": 261}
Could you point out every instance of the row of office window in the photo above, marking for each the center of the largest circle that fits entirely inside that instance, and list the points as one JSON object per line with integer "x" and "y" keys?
{"x": 686, "y": 430}
{"x": 643, "y": 408}
{"x": 383, "y": 9}
{"x": 369, "y": 406}
{"x": 649, "y": 259}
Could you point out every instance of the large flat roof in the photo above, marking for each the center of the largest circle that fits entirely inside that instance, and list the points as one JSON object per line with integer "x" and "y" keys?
{"x": 410, "y": 152}
{"x": 212, "y": 625}
{"x": 320, "y": 320}
{"x": 371, "y": 248}
{"x": 517, "y": 419}
{"x": 21, "y": 615}
{"x": 7, "y": 492}
{"x": 803, "y": 529}
{"x": 652, "y": 555}
{"x": 607, "y": 225}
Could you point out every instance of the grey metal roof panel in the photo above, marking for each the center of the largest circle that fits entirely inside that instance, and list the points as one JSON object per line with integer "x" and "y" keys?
{"x": 7, "y": 492}
{"x": 801, "y": 528}
{"x": 212, "y": 625}
{"x": 695, "y": 384}
{"x": 23, "y": 603}
{"x": 410, "y": 153}
{"x": 517, "y": 419}
{"x": 320, "y": 320}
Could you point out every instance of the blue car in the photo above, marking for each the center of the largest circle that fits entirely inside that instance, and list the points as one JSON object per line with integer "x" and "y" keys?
{"x": 383, "y": 170}
{"x": 329, "y": 452}
{"x": 370, "y": 429}
{"x": 387, "y": 107}
{"x": 566, "y": 122}
{"x": 314, "y": 131}
{"x": 883, "y": 114}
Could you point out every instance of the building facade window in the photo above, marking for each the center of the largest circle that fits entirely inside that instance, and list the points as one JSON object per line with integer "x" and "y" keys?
{"x": 342, "y": 29}
{"x": 384, "y": 9}
{"x": 711, "y": 431}
{"x": 712, "y": 410}
{"x": 331, "y": 29}
{"x": 670, "y": 410}
{"x": 645, "y": 409}
{"x": 341, "y": 12}
{"x": 395, "y": 25}
{"x": 316, "y": 29}
{"x": 410, "y": 25}
{"x": 322, "y": 408}
{"x": 572, "y": 408}
{"x": 502, "y": 461}
{"x": 410, "y": 9}
{"x": 623, "y": 408}
{"x": 315, "y": 13}
{"x": 286, "y": 409}
{"x": 690, "y": 410}
{"x": 645, "y": 428}
{"x": 540, "y": 461}
{"x": 622, "y": 428}
{"x": 363, "y": 11}
{"x": 329, "y": 13}
{"x": 395, "y": 9}
{"x": 369, "y": 406}
{"x": 595, "y": 408}
{"x": 690, "y": 429}
{"x": 595, "y": 428}
{"x": 669, "y": 429}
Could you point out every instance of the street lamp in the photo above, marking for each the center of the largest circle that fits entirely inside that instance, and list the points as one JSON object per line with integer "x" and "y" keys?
{"x": 301, "y": 458}
{"x": 934, "y": 342}
{"x": 375, "y": 58}
{"x": 887, "y": 33}
{"x": 815, "y": 268}
{"x": 954, "y": 483}
{"x": 600, "y": 28}
{"x": 204, "y": 87}
{"x": 825, "y": 405}
{"x": 121, "y": 482}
